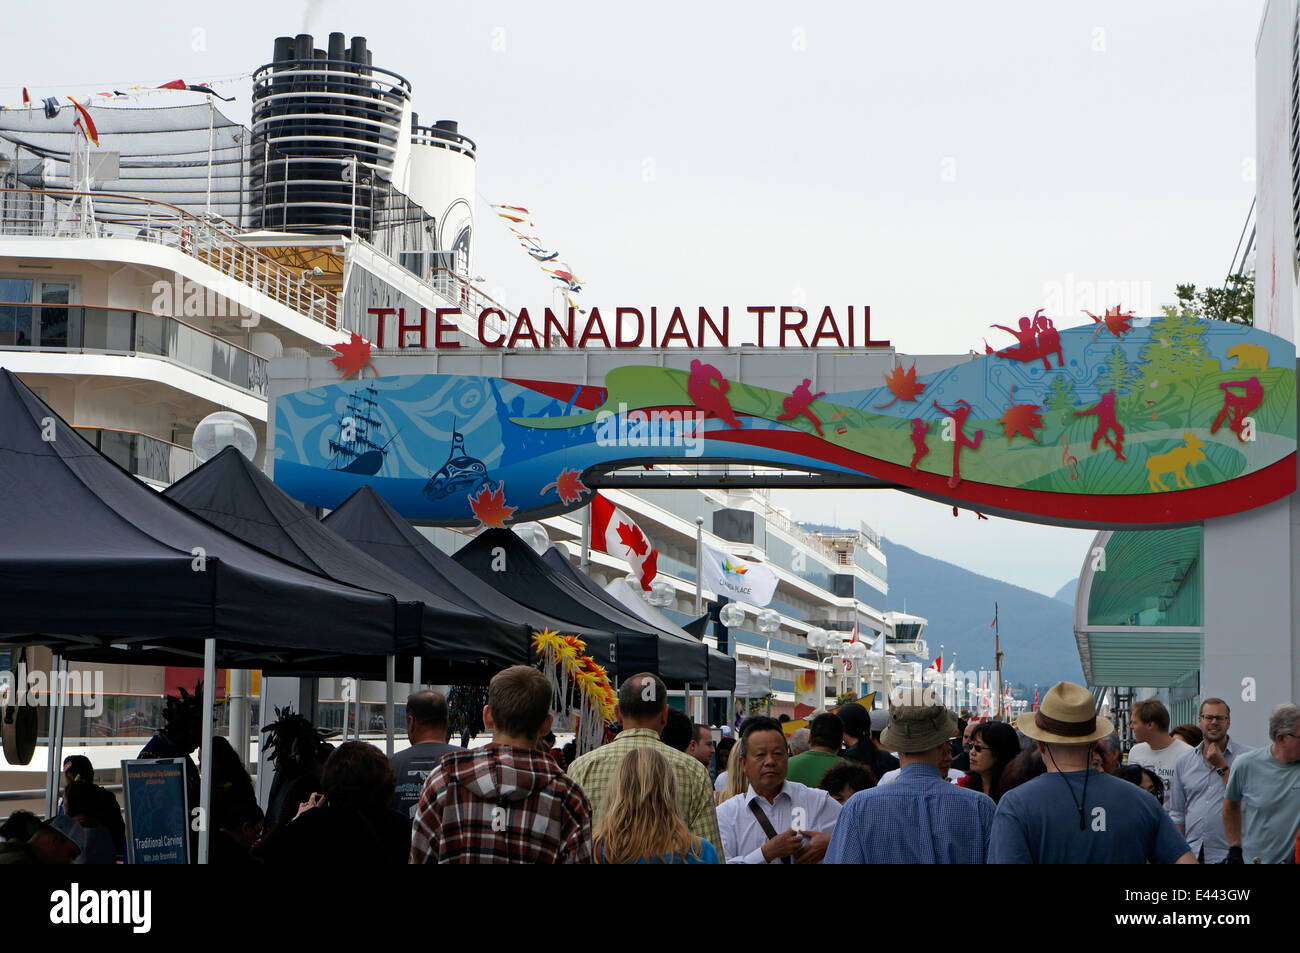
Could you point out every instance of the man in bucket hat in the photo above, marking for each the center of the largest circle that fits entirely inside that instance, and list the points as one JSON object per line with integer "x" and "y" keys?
{"x": 1072, "y": 814}
{"x": 920, "y": 818}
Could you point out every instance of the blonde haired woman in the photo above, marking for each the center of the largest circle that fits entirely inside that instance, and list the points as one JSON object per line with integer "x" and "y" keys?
{"x": 640, "y": 824}
{"x": 736, "y": 782}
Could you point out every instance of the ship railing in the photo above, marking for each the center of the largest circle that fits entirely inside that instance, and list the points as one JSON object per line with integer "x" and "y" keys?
{"x": 472, "y": 302}
{"x": 56, "y": 213}
{"x": 78, "y": 328}
{"x": 146, "y": 456}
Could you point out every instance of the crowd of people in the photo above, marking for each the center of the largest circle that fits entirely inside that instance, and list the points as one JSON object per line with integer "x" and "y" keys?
{"x": 914, "y": 784}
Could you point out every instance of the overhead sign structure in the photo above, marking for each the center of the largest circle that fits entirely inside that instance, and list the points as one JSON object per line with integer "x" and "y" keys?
{"x": 1120, "y": 422}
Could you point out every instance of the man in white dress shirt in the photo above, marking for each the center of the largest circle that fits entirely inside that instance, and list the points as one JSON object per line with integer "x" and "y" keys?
{"x": 776, "y": 820}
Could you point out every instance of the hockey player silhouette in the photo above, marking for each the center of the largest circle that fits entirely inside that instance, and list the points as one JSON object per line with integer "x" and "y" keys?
{"x": 959, "y": 414}
{"x": 799, "y": 403}
{"x": 707, "y": 389}
{"x": 1104, "y": 410}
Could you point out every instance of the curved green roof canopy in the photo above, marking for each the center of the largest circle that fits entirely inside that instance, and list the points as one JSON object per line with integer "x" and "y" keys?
{"x": 1138, "y": 615}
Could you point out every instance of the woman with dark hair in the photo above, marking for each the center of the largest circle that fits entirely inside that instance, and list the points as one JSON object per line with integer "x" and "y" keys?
{"x": 1022, "y": 768}
{"x": 1144, "y": 778}
{"x": 994, "y": 745}
{"x": 349, "y": 821}
{"x": 1188, "y": 733}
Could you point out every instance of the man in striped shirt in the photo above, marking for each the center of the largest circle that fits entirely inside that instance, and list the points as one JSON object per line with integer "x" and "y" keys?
{"x": 504, "y": 803}
{"x": 643, "y": 712}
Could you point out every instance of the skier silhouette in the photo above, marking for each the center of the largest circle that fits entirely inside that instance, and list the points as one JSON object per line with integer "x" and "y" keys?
{"x": 919, "y": 429}
{"x": 959, "y": 416}
{"x": 1239, "y": 404}
{"x": 1104, "y": 410}
{"x": 700, "y": 387}
{"x": 798, "y": 403}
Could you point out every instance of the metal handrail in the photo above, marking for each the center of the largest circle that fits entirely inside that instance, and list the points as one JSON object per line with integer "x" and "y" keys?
{"x": 169, "y": 463}
{"x": 137, "y": 342}
{"x": 107, "y": 307}
{"x": 210, "y": 241}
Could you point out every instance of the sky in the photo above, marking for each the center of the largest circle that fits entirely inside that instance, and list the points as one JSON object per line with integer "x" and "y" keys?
{"x": 952, "y": 165}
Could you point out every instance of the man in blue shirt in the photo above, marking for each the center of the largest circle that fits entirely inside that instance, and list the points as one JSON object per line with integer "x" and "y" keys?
{"x": 920, "y": 818}
{"x": 1072, "y": 814}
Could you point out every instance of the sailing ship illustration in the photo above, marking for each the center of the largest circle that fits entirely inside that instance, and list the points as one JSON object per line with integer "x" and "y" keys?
{"x": 356, "y": 450}
{"x": 461, "y": 472}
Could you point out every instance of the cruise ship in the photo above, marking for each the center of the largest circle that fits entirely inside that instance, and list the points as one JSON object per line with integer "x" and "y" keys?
{"x": 155, "y": 263}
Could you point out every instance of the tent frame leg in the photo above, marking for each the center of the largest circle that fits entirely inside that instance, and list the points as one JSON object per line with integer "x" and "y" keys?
{"x": 205, "y": 777}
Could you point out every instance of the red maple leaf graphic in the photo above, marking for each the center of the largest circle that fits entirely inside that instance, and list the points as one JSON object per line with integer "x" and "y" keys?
{"x": 1114, "y": 320}
{"x": 631, "y": 536}
{"x": 1021, "y": 419}
{"x": 569, "y": 485}
{"x": 489, "y": 505}
{"x": 353, "y": 356}
{"x": 902, "y": 384}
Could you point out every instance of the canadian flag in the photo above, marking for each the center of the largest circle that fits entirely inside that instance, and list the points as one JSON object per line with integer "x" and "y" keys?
{"x": 937, "y": 664}
{"x": 613, "y": 532}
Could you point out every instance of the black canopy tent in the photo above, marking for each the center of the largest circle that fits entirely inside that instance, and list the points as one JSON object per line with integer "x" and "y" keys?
{"x": 100, "y": 567}
{"x": 722, "y": 668}
{"x": 455, "y": 643}
{"x": 530, "y": 580}
{"x": 374, "y": 527}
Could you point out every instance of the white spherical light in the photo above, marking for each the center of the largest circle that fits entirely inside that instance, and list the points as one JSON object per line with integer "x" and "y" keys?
{"x": 731, "y": 615}
{"x": 817, "y": 638}
{"x": 223, "y": 429}
{"x": 535, "y": 535}
{"x": 662, "y": 593}
{"x": 834, "y": 641}
{"x": 769, "y": 621}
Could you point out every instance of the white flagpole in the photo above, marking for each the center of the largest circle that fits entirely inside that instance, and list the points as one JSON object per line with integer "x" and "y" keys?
{"x": 699, "y": 565}
{"x": 586, "y": 536}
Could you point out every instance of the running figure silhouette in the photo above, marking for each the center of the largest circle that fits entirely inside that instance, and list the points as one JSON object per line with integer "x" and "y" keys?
{"x": 919, "y": 429}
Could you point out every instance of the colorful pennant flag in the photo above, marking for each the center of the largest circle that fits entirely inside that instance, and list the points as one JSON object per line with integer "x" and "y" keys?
{"x": 88, "y": 129}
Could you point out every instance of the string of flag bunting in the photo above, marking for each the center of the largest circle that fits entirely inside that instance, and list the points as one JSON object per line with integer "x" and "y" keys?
{"x": 520, "y": 223}
{"x": 53, "y": 105}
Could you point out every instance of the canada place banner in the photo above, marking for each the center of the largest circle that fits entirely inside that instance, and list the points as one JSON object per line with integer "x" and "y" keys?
{"x": 1118, "y": 423}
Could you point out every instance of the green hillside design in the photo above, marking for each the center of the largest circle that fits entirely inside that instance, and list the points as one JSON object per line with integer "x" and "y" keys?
{"x": 1157, "y": 403}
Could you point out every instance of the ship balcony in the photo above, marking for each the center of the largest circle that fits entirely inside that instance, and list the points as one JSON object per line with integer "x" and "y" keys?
{"x": 76, "y": 340}
{"x": 152, "y": 459}
{"x": 139, "y": 233}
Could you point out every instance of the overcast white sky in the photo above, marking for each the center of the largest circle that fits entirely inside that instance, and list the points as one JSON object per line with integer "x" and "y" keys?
{"x": 950, "y": 164}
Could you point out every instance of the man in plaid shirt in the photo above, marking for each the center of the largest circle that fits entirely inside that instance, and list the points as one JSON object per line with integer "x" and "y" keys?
{"x": 504, "y": 803}
{"x": 643, "y": 711}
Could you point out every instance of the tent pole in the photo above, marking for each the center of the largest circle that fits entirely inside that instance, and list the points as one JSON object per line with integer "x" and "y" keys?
{"x": 52, "y": 766}
{"x": 205, "y": 779}
{"x": 390, "y": 705}
{"x": 417, "y": 674}
{"x": 62, "y": 670}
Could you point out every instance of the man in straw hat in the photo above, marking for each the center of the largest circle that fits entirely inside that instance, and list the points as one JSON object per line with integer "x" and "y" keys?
{"x": 920, "y": 818}
{"x": 1072, "y": 814}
